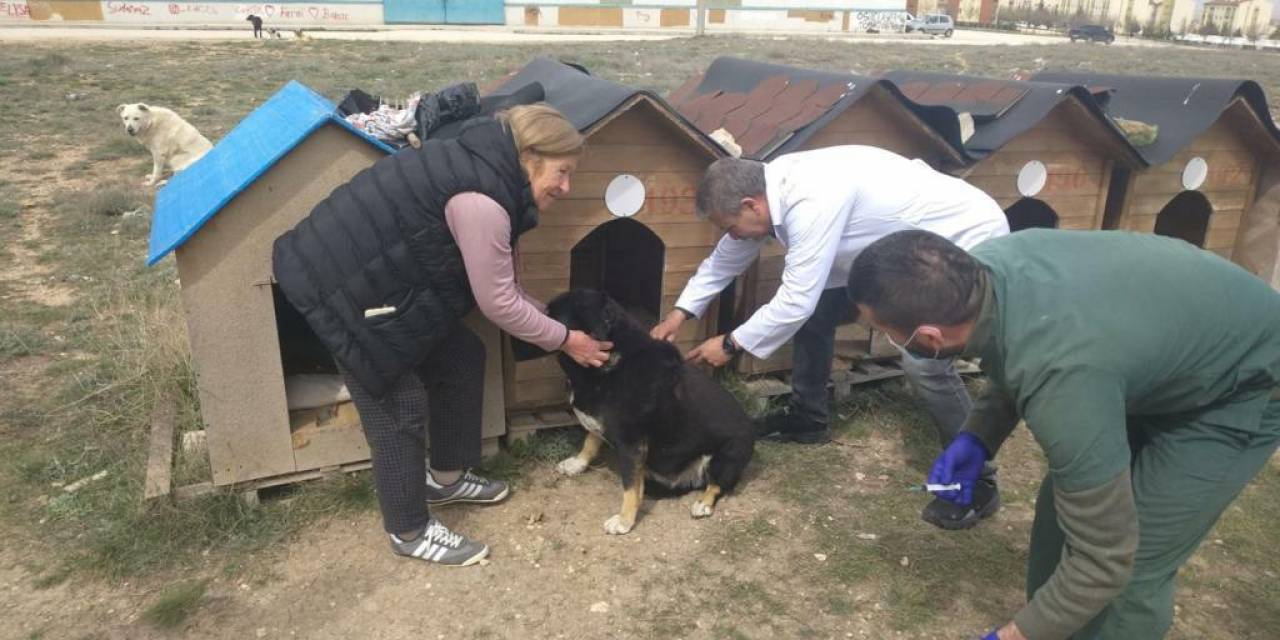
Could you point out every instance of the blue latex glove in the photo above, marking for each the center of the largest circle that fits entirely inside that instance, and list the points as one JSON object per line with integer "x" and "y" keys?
{"x": 991, "y": 636}
{"x": 962, "y": 461}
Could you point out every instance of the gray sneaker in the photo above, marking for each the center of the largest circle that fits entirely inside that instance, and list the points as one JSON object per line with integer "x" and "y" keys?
{"x": 469, "y": 488}
{"x": 440, "y": 545}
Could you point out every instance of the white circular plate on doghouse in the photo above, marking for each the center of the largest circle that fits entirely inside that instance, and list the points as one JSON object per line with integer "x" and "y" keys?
{"x": 1031, "y": 178}
{"x": 1194, "y": 173}
{"x": 624, "y": 195}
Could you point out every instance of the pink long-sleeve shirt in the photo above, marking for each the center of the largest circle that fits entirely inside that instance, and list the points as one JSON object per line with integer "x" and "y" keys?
{"x": 482, "y": 229}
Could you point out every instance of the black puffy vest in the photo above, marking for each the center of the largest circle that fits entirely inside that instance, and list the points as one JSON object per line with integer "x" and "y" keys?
{"x": 381, "y": 240}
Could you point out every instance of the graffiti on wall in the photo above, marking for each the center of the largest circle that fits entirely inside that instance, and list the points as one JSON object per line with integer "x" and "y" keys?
{"x": 15, "y": 9}
{"x": 881, "y": 21}
{"x": 116, "y": 8}
{"x": 192, "y": 12}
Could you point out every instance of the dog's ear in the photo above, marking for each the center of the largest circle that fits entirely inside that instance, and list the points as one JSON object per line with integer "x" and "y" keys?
{"x": 120, "y": 109}
{"x": 143, "y": 107}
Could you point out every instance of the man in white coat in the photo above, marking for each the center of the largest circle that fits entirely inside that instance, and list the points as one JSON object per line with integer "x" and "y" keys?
{"x": 824, "y": 207}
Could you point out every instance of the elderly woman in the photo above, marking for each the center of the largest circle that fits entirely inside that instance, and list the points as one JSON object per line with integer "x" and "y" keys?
{"x": 385, "y": 268}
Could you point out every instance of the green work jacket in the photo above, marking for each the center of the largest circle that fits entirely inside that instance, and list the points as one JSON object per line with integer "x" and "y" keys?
{"x": 1080, "y": 333}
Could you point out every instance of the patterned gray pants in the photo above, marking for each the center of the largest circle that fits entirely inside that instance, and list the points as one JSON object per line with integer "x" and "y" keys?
{"x": 442, "y": 399}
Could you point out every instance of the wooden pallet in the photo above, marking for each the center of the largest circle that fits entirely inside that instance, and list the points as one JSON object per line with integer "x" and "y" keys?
{"x": 843, "y": 380}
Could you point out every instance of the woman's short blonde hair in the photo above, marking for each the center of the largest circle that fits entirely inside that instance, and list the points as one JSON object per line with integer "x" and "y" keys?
{"x": 541, "y": 130}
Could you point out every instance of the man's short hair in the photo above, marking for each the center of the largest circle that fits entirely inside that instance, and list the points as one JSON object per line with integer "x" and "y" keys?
{"x": 726, "y": 182}
{"x": 911, "y": 278}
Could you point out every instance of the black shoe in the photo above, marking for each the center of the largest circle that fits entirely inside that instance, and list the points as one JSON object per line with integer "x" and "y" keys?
{"x": 953, "y": 517}
{"x": 772, "y": 424}
{"x": 782, "y": 427}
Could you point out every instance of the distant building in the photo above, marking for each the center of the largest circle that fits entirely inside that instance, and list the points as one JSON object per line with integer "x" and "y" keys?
{"x": 1146, "y": 16}
{"x": 1251, "y": 18}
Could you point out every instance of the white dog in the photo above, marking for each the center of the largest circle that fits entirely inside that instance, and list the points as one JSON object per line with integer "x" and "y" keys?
{"x": 174, "y": 144}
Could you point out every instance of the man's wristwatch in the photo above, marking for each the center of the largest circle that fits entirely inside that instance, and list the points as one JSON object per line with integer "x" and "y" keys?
{"x": 730, "y": 347}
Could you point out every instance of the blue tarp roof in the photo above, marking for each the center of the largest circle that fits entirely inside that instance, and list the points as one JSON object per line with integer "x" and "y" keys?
{"x": 266, "y": 135}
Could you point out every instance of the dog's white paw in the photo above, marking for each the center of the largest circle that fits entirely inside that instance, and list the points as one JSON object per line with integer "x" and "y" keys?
{"x": 571, "y": 466}
{"x": 614, "y": 526}
{"x": 699, "y": 510}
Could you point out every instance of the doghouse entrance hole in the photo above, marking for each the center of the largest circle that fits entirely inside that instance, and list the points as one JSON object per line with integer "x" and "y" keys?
{"x": 314, "y": 387}
{"x": 301, "y": 351}
{"x": 1186, "y": 217}
{"x": 1030, "y": 213}
{"x": 624, "y": 259}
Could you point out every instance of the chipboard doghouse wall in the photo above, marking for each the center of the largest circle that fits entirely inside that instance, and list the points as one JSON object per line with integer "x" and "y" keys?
{"x": 220, "y": 217}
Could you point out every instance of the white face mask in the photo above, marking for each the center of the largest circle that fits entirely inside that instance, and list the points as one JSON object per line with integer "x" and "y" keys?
{"x": 903, "y": 347}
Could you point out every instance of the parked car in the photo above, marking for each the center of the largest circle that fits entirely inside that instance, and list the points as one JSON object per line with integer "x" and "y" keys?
{"x": 933, "y": 24}
{"x": 1092, "y": 33}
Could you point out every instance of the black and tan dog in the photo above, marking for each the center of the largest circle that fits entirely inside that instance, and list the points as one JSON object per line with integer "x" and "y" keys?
{"x": 669, "y": 422}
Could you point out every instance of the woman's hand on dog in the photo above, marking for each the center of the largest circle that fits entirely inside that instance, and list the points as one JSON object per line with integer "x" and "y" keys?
{"x": 669, "y": 327}
{"x": 585, "y": 350}
{"x": 711, "y": 352}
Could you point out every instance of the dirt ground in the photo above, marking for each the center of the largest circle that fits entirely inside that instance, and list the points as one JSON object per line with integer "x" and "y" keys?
{"x": 819, "y": 542}
{"x": 752, "y": 570}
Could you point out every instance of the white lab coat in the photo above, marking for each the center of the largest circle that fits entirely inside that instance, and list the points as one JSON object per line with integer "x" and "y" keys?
{"x": 827, "y": 205}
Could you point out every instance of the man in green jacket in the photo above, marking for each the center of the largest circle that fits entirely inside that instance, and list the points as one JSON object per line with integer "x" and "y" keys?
{"x": 1145, "y": 368}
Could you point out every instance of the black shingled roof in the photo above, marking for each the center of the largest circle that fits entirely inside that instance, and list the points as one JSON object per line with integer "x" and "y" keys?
{"x": 1182, "y": 108}
{"x": 586, "y": 99}
{"x": 1001, "y": 109}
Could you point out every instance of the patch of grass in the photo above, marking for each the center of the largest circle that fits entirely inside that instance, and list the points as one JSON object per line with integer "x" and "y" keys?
{"x": 48, "y": 63}
{"x": 53, "y": 578}
{"x": 17, "y": 341}
{"x": 745, "y": 539}
{"x": 1248, "y": 576}
{"x": 115, "y": 147}
{"x": 8, "y": 203}
{"x": 175, "y": 604}
{"x": 756, "y": 405}
{"x": 545, "y": 446}
{"x": 728, "y": 632}
{"x": 36, "y": 155}
{"x": 106, "y": 200}
{"x": 943, "y": 570}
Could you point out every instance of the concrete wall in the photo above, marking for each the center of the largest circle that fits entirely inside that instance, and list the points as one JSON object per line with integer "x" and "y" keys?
{"x": 148, "y": 12}
{"x": 744, "y": 15}
{"x": 835, "y": 16}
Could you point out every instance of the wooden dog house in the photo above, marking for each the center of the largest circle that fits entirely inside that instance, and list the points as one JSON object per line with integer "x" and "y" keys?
{"x": 1044, "y": 151}
{"x": 1214, "y": 140}
{"x": 627, "y": 225}
{"x": 772, "y": 110}
{"x": 220, "y": 217}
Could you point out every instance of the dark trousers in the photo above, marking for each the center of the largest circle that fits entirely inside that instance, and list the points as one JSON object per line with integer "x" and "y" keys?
{"x": 1186, "y": 472}
{"x": 935, "y": 381}
{"x": 814, "y": 346}
{"x": 441, "y": 400}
